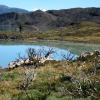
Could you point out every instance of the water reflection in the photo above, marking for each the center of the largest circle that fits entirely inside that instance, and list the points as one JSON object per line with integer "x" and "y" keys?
{"x": 9, "y": 49}
{"x": 10, "y": 53}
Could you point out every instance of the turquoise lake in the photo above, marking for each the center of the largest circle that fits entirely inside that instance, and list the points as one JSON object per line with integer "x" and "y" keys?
{"x": 9, "y": 49}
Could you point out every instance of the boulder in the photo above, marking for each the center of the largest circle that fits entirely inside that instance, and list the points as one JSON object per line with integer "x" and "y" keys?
{"x": 11, "y": 65}
{"x": 43, "y": 59}
{"x": 86, "y": 55}
{"x": 27, "y": 61}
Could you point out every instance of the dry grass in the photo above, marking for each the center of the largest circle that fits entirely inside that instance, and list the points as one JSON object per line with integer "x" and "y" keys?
{"x": 82, "y": 32}
{"x": 51, "y": 77}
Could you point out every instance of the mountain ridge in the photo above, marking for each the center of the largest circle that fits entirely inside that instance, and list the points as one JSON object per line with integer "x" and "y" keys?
{"x": 6, "y": 9}
{"x": 58, "y": 18}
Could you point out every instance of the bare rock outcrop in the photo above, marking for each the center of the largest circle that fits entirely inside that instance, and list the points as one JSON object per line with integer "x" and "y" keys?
{"x": 28, "y": 62}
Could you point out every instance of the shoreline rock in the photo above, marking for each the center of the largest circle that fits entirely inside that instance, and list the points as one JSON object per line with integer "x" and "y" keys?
{"x": 86, "y": 55}
{"x": 28, "y": 61}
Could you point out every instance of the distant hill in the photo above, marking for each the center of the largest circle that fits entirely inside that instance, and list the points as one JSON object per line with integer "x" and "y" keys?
{"x": 38, "y": 17}
{"x": 74, "y": 15}
{"x": 6, "y": 9}
{"x": 57, "y": 18}
{"x": 80, "y": 29}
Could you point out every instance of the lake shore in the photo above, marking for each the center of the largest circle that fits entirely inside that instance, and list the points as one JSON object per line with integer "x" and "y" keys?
{"x": 44, "y": 40}
{"x": 89, "y": 42}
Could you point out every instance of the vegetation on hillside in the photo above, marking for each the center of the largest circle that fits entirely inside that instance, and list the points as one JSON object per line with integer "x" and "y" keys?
{"x": 82, "y": 32}
{"x": 53, "y": 80}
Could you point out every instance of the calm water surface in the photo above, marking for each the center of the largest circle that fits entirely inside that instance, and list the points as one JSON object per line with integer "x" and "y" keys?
{"x": 9, "y": 49}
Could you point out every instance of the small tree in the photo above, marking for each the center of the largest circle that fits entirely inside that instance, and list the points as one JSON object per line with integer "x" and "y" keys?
{"x": 20, "y": 28}
{"x": 31, "y": 52}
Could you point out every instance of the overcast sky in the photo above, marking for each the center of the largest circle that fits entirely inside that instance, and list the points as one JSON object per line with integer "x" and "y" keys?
{"x": 32, "y": 5}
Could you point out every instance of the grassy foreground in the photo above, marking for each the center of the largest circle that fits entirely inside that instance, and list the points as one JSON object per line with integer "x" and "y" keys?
{"x": 55, "y": 80}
